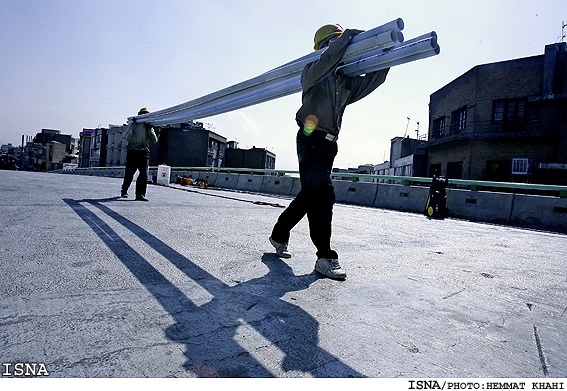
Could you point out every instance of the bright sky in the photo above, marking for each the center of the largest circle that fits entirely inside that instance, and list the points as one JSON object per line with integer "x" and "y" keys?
{"x": 74, "y": 64}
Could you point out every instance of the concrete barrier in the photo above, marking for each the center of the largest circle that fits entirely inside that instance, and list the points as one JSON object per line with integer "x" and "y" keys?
{"x": 192, "y": 174}
{"x": 119, "y": 172}
{"x": 227, "y": 181}
{"x": 210, "y": 177}
{"x": 532, "y": 211}
{"x": 539, "y": 212}
{"x": 399, "y": 197}
{"x": 358, "y": 193}
{"x": 281, "y": 185}
{"x": 248, "y": 182}
{"x": 296, "y": 187}
{"x": 480, "y": 205}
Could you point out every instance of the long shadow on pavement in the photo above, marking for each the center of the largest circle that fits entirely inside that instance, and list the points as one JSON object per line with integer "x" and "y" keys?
{"x": 208, "y": 331}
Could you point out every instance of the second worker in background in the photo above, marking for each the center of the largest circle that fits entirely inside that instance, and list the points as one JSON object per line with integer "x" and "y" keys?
{"x": 139, "y": 136}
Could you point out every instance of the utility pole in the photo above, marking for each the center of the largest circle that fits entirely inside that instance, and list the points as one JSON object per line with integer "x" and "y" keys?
{"x": 22, "y": 155}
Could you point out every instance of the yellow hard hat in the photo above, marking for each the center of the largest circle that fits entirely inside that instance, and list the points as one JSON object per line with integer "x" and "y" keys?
{"x": 143, "y": 110}
{"x": 325, "y": 32}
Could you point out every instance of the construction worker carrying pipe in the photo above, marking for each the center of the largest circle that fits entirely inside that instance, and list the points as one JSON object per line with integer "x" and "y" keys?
{"x": 139, "y": 136}
{"x": 324, "y": 99}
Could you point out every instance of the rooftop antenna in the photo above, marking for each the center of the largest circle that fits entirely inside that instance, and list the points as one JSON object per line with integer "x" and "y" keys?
{"x": 563, "y": 33}
{"x": 417, "y": 131}
{"x": 407, "y": 127}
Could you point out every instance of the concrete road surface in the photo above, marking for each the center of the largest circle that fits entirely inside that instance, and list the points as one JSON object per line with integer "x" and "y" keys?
{"x": 187, "y": 285}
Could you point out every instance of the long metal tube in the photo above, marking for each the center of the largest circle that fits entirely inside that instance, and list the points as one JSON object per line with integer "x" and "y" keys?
{"x": 395, "y": 26}
{"x": 282, "y": 71}
{"x": 293, "y": 85}
{"x": 377, "y": 61}
{"x": 273, "y": 92}
{"x": 367, "y": 55}
{"x": 369, "y": 45}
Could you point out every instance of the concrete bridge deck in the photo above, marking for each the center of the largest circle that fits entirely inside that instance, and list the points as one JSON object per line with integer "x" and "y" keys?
{"x": 187, "y": 285}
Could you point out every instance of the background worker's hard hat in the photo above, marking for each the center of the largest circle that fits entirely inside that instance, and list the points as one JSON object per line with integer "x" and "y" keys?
{"x": 143, "y": 110}
{"x": 325, "y": 32}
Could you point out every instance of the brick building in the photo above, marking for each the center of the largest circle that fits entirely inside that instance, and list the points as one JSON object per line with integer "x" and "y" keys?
{"x": 504, "y": 121}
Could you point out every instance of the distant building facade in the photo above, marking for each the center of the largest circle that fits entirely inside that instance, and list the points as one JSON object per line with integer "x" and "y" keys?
{"x": 181, "y": 145}
{"x": 117, "y": 146}
{"x": 93, "y": 147}
{"x": 504, "y": 121}
{"x": 407, "y": 158}
{"x": 49, "y": 150}
{"x": 259, "y": 158}
{"x": 10, "y": 157}
{"x": 188, "y": 145}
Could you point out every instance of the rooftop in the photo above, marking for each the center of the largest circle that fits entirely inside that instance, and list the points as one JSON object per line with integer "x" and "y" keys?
{"x": 187, "y": 285}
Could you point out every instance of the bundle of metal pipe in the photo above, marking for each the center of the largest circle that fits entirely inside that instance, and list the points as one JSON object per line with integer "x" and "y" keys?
{"x": 379, "y": 48}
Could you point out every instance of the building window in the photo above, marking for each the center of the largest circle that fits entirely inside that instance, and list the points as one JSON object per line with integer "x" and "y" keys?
{"x": 459, "y": 120}
{"x": 521, "y": 111}
{"x": 533, "y": 112}
{"x": 439, "y": 127}
{"x": 498, "y": 112}
{"x": 509, "y": 111}
{"x": 455, "y": 170}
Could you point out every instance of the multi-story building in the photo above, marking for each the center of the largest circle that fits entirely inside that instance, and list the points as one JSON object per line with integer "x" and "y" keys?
{"x": 407, "y": 158}
{"x": 259, "y": 158}
{"x": 85, "y": 141}
{"x": 93, "y": 147}
{"x": 182, "y": 145}
{"x": 10, "y": 157}
{"x": 188, "y": 145}
{"x": 117, "y": 146}
{"x": 49, "y": 150}
{"x": 504, "y": 121}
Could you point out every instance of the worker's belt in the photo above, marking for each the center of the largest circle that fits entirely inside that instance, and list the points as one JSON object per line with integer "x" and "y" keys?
{"x": 326, "y": 135}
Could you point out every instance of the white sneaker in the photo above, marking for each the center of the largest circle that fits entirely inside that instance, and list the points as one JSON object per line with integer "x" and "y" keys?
{"x": 281, "y": 248}
{"x": 330, "y": 267}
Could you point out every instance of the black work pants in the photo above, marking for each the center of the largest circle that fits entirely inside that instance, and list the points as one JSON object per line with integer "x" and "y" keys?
{"x": 137, "y": 160}
{"x": 317, "y": 195}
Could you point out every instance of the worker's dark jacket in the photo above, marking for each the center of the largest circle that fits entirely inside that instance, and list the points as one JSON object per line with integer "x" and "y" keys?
{"x": 326, "y": 94}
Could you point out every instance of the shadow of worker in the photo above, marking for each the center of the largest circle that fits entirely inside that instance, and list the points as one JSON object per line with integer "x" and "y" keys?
{"x": 250, "y": 313}
{"x": 236, "y": 333}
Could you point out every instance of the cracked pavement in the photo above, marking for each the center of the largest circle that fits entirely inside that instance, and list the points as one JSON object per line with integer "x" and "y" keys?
{"x": 187, "y": 285}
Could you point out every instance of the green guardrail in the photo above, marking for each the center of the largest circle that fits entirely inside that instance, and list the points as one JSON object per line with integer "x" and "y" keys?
{"x": 560, "y": 191}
